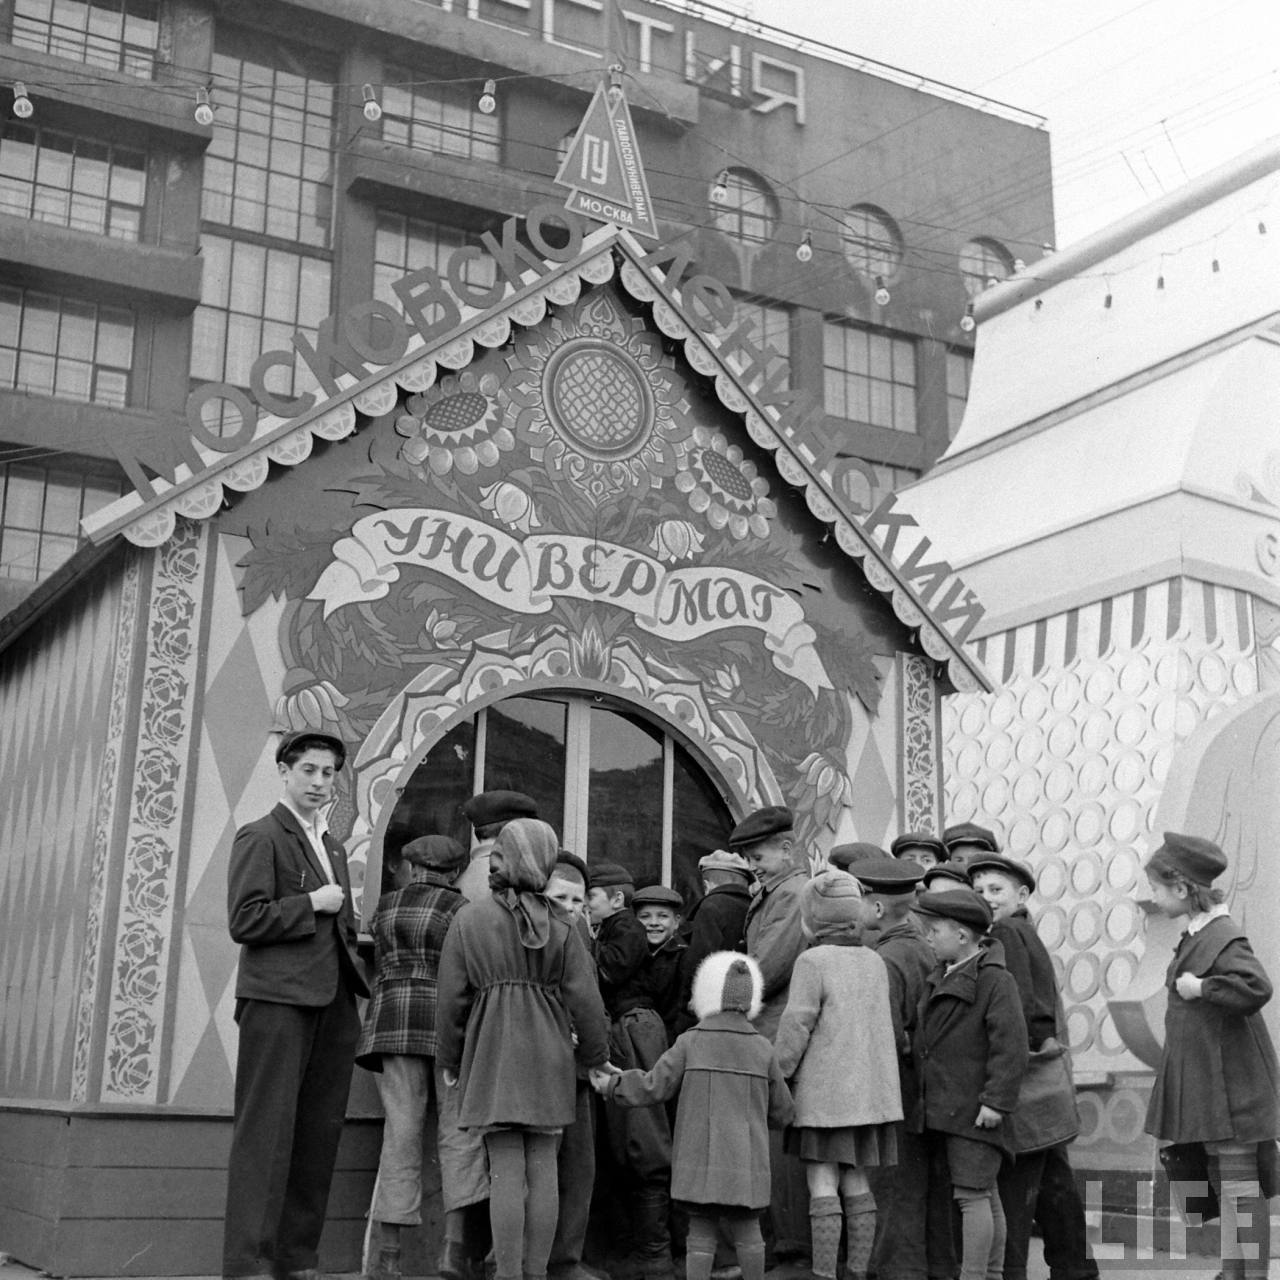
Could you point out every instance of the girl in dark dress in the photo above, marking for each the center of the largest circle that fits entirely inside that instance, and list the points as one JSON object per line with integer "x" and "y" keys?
{"x": 1218, "y": 1078}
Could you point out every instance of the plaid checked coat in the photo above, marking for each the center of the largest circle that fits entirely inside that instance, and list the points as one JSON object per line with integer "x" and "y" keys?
{"x": 408, "y": 929}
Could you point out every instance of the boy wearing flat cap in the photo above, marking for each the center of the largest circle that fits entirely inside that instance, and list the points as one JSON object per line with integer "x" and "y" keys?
{"x": 659, "y": 910}
{"x": 399, "y": 1037}
{"x": 901, "y": 1190}
{"x": 921, "y": 848}
{"x": 488, "y": 812}
{"x": 966, "y": 840}
{"x": 971, "y": 1051}
{"x": 1040, "y": 1137}
{"x": 289, "y": 908}
{"x": 639, "y": 1138}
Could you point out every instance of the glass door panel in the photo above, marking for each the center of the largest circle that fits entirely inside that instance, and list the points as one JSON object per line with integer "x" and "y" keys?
{"x": 431, "y": 802}
{"x": 625, "y": 794}
{"x": 524, "y": 750}
{"x": 699, "y": 823}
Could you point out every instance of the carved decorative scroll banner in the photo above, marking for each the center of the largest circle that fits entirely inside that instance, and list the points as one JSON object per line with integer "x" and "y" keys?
{"x": 677, "y": 604}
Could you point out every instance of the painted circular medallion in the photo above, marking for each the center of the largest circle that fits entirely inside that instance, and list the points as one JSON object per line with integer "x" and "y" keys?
{"x": 599, "y": 398}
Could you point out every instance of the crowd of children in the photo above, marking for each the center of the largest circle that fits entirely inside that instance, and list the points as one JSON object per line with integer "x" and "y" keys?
{"x": 893, "y": 1024}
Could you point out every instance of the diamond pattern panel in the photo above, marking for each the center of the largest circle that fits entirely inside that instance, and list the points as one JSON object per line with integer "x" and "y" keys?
{"x": 55, "y": 685}
{"x": 236, "y": 782}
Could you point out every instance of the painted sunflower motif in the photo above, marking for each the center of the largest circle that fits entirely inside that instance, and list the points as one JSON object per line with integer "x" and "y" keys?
{"x": 455, "y": 425}
{"x": 725, "y": 487}
{"x": 593, "y": 398}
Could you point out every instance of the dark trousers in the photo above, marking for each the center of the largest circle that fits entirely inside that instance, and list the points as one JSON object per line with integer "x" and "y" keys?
{"x": 293, "y": 1074}
{"x": 575, "y": 1176}
{"x": 1060, "y": 1213}
{"x": 910, "y": 1229}
{"x": 1019, "y": 1184}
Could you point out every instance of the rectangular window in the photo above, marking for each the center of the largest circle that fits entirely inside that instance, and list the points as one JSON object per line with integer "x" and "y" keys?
{"x": 770, "y": 326}
{"x": 959, "y": 373}
{"x": 252, "y": 299}
{"x": 40, "y": 513}
{"x": 443, "y": 118}
{"x": 120, "y": 35}
{"x": 65, "y": 347}
{"x": 404, "y": 244}
{"x": 869, "y": 377}
{"x": 269, "y": 166}
{"x": 72, "y": 181}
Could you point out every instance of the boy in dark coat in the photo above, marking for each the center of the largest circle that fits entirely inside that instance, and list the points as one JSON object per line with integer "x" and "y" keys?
{"x": 971, "y": 1052}
{"x": 717, "y": 920}
{"x": 639, "y": 1140}
{"x": 1006, "y": 886}
{"x": 902, "y": 1190}
{"x": 731, "y": 1091}
{"x": 399, "y": 1036}
{"x": 659, "y": 910}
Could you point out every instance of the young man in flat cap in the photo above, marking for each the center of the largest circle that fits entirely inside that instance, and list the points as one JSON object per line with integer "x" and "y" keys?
{"x": 289, "y": 907}
{"x": 966, "y": 840}
{"x": 775, "y": 940}
{"x": 1006, "y": 886}
{"x": 772, "y": 926}
{"x": 902, "y": 1190}
{"x": 847, "y": 857}
{"x": 488, "y": 812}
{"x": 971, "y": 1053}
{"x": 639, "y": 1137}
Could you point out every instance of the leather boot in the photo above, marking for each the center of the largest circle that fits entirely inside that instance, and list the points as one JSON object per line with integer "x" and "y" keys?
{"x": 651, "y": 1210}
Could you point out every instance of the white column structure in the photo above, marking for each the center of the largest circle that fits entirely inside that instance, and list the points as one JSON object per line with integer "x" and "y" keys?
{"x": 1113, "y": 496}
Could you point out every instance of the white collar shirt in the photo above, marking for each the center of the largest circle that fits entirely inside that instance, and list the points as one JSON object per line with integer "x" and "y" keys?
{"x": 314, "y": 829}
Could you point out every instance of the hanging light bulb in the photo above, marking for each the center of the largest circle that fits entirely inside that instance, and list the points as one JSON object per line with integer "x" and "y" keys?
{"x": 720, "y": 191}
{"x": 614, "y": 92}
{"x": 22, "y": 107}
{"x": 204, "y": 108}
{"x": 1019, "y": 265}
{"x": 967, "y": 323}
{"x": 372, "y": 111}
{"x": 1217, "y": 266}
{"x": 882, "y": 293}
{"x": 804, "y": 250}
{"x": 488, "y": 103}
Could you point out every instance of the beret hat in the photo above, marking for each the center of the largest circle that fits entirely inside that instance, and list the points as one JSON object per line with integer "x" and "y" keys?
{"x": 846, "y": 856}
{"x": 315, "y": 738}
{"x": 919, "y": 840}
{"x": 994, "y": 862}
{"x": 962, "y": 905}
{"x": 970, "y": 833}
{"x": 605, "y": 875}
{"x": 889, "y": 875}
{"x": 724, "y": 860}
{"x": 760, "y": 826}
{"x": 658, "y": 895}
{"x": 944, "y": 872}
{"x": 1192, "y": 857}
{"x": 488, "y": 807}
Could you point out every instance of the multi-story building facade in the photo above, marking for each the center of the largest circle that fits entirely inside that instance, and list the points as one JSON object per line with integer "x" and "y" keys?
{"x": 143, "y": 251}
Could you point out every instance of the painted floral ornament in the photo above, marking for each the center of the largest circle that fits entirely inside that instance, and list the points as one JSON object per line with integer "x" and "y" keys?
{"x": 725, "y": 487}
{"x": 510, "y": 504}
{"x": 676, "y": 540}
{"x": 455, "y": 425}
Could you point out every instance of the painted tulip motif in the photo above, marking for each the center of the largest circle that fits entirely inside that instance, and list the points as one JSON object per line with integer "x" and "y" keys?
{"x": 511, "y": 504}
{"x": 437, "y": 631}
{"x": 675, "y": 540}
{"x": 312, "y": 706}
{"x": 827, "y": 789}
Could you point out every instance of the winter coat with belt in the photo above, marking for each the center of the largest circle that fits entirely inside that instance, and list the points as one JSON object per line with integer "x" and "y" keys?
{"x": 502, "y": 1024}
{"x": 970, "y": 1048}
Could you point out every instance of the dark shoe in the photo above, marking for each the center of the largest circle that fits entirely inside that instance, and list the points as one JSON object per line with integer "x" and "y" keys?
{"x": 454, "y": 1263}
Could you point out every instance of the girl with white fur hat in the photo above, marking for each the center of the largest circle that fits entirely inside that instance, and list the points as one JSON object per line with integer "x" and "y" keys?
{"x": 731, "y": 1091}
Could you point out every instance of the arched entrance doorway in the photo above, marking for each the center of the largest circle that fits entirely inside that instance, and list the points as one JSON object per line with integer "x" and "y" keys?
{"x": 616, "y": 784}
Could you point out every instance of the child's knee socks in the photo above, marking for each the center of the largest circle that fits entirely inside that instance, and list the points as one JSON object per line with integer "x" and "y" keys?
{"x": 700, "y": 1248}
{"x": 977, "y": 1228}
{"x": 1245, "y": 1216}
{"x": 748, "y": 1244}
{"x": 825, "y": 1222}
{"x": 860, "y": 1233}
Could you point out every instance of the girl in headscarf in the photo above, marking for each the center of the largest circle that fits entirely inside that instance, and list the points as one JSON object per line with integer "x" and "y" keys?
{"x": 513, "y": 975}
{"x": 838, "y": 1044}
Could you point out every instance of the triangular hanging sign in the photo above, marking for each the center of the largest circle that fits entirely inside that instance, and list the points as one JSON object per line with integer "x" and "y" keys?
{"x": 602, "y": 168}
